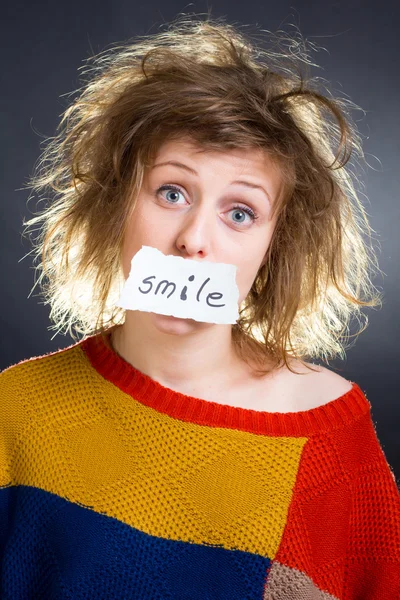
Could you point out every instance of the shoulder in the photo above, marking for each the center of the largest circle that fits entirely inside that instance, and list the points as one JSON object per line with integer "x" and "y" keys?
{"x": 28, "y": 389}
{"x": 318, "y": 387}
{"x": 38, "y": 377}
{"x": 42, "y": 363}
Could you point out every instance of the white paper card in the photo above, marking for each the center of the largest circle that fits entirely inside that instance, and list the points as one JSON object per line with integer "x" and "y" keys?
{"x": 189, "y": 289}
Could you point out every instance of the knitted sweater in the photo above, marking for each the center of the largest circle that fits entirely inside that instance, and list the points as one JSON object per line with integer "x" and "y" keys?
{"x": 113, "y": 486}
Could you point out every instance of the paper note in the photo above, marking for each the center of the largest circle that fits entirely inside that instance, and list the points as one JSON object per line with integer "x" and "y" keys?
{"x": 180, "y": 287}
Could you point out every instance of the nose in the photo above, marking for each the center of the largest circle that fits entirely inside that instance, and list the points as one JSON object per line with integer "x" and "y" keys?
{"x": 195, "y": 233}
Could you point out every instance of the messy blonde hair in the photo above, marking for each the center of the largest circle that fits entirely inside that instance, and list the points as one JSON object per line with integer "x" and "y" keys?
{"x": 205, "y": 79}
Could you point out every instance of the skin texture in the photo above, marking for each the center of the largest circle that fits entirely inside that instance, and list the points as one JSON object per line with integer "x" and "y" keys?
{"x": 199, "y": 223}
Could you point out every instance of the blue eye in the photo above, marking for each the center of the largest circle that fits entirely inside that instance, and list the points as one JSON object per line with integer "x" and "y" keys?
{"x": 172, "y": 191}
{"x": 247, "y": 210}
{"x": 172, "y": 197}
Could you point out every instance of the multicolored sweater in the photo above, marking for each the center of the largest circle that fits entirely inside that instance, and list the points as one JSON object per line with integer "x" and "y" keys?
{"x": 115, "y": 487}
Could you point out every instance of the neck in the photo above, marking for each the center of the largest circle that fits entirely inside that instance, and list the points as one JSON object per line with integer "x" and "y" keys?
{"x": 181, "y": 354}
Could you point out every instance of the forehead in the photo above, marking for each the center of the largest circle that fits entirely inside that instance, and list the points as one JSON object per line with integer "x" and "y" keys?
{"x": 247, "y": 160}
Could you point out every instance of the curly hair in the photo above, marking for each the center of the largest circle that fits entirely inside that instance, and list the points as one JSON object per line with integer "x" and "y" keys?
{"x": 224, "y": 89}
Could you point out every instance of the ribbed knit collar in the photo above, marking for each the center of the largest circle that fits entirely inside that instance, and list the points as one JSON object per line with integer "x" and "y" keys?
{"x": 335, "y": 414}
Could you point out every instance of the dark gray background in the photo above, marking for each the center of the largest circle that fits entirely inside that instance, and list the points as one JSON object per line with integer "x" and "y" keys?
{"x": 44, "y": 44}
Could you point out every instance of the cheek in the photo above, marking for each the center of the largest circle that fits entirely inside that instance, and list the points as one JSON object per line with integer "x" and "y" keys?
{"x": 245, "y": 276}
{"x": 126, "y": 257}
{"x": 142, "y": 230}
{"x": 132, "y": 244}
{"x": 248, "y": 268}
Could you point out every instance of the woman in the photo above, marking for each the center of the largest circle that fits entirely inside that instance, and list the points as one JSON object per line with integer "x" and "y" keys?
{"x": 161, "y": 457}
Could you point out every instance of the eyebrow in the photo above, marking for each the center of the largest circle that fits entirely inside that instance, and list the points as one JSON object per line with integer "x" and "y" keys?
{"x": 180, "y": 165}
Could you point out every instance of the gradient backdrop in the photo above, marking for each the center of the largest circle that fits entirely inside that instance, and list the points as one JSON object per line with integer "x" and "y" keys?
{"x": 43, "y": 46}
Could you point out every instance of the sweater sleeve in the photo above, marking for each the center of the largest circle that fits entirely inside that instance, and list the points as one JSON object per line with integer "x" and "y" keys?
{"x": 343, "y": 527}
{"x": 373, "y": 553}
{"x": 15, "y": 418}
{"x": 12, "y": 418}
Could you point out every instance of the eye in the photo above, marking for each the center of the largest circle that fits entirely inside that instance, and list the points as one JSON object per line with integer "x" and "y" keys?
{"x": 245, "y": 209}
{"x": 171, "y": 193}
{"x": 172, "y": 196}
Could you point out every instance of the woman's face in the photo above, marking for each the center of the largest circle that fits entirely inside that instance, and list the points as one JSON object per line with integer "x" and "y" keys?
{"x": 186, "y": 207}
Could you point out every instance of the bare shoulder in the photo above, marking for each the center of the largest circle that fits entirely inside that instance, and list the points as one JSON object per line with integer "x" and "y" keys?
{"x": 317, "y": 387}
